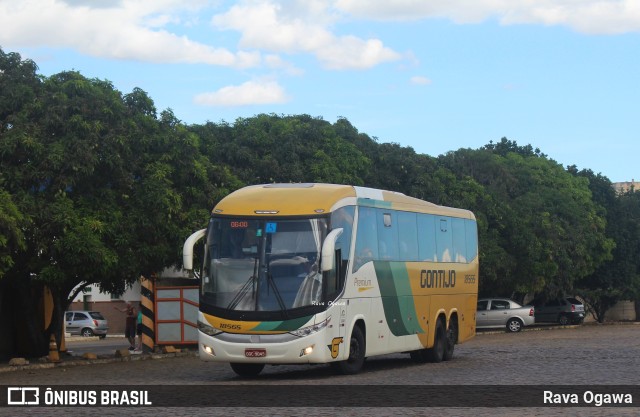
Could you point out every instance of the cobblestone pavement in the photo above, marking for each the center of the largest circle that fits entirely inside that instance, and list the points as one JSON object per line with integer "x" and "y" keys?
{"x": 584, "y": 355}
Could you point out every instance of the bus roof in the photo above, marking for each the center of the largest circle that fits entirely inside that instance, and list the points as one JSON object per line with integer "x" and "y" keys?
{"x": 302, "y": 199}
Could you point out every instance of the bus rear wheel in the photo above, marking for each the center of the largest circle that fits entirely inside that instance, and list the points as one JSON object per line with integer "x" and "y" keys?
{"x": 357, "y": 349}
{"x": 451, "y": 339}
{"x": 247, "y": 369}
{"x": 437, "y": 353}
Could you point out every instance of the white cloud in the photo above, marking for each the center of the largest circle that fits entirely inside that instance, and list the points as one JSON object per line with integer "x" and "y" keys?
{"x": 276, "y": 62}
{"x": 302, "y": 26}
{"x": 586, "y": 16}
{"x": 248, "y": 93}
{"x": 420, "y": 80}
{"x": 119, "y": 30}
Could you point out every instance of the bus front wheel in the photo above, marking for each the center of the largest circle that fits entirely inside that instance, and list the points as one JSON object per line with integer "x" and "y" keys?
{"x": 357, "y": 349}
{"x": 247, "y": 369}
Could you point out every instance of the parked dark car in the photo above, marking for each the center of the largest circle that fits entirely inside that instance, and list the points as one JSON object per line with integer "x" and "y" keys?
{"x": 567, "y": 310}
{"x": 86, "y": 323}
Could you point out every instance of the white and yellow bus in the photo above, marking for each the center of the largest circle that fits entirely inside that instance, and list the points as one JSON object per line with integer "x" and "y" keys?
{"x": 323, "y": 273}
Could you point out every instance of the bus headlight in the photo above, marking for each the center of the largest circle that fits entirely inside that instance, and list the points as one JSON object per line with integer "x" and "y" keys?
{"x": 208, "y": 329}
{"x": 307, "y": 351}
{"x": 306, "y": 331}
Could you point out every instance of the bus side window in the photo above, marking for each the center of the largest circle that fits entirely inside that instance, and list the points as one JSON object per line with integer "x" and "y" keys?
{"x": 366, "y": 237}
{"x": 387, "y": 236}
{"x": 408, "y": 236}
{"x": 427, "y": 238}
{"x": 471, "y": 234}
{"x": 341, "y": 218}
{"x": 459, "y": 249}
{"x": 444, "y": 240}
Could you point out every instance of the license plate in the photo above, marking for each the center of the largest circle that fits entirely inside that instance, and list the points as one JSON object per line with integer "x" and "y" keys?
{"x": 255, "y": 353}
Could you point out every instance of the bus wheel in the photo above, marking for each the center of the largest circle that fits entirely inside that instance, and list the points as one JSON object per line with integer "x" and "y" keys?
{"x": 247, "y": 369}
{"x": 451, "y": 339}
{"x": 436, "y": 353}
{"x": 357, "y": 349}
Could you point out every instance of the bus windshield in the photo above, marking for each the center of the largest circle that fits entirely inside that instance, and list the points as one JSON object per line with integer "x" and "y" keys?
{"x": 263, "y": 264}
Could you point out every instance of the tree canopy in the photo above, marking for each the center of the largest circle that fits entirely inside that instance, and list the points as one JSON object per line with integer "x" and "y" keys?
{"x": 98, "y": 187}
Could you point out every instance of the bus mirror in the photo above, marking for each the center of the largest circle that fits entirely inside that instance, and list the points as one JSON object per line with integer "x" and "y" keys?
{"x": 329, "y": 249}
{"x": 187, "y": 249}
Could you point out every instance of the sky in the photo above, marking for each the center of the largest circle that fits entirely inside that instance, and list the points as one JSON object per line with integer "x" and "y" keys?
{"x": 560, "y": 75}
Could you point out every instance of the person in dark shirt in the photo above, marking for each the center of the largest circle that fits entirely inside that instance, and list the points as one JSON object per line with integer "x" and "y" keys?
{"x": 130, "y": 324}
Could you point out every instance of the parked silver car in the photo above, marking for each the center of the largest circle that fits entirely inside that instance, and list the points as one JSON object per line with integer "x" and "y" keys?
{"x": 503, "y": 312}
{"x": 86, "y": 323}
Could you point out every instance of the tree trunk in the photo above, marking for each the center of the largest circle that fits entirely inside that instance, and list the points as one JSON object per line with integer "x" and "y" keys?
{"x": 35, "y": 340}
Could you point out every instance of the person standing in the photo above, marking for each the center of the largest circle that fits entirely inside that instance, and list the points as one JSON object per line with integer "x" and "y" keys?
{"x": 130, "y": 323}
{"x": 139, "y": 331}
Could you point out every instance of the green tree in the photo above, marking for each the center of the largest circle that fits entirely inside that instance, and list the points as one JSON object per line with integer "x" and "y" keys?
{"x": 271, "y": 148}
{"x": 544, "y": 232}
{"x": 11, "y": 235}
{"x": 109, "y": 190}
{"x": 619, "y": 277}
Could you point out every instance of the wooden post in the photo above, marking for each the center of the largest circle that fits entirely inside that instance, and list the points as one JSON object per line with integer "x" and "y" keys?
{"x": 148, "y": 313}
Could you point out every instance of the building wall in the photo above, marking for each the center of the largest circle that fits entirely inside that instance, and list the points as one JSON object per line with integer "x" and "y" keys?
{"x": 623, "y": 187}
{"x": 622, "y": 311}
{"x": 109, "y": 309}
{"x": 94, "y": 300}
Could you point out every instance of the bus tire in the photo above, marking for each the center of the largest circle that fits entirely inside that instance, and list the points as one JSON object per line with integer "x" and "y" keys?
{"x": 436, "y": 353}
{"x": 357, "y": 350}
{"x": 451, "y": 339}
{"x": 247, "y": 369}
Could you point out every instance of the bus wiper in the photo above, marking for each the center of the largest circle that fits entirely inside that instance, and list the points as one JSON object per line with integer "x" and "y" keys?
{"x": 272, "y": 282}
{"x": 245, "y": 287}
{"x": 240, "y": 295}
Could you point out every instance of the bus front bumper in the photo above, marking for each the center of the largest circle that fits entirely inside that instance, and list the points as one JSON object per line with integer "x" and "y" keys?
{"x": 308, "y": 349}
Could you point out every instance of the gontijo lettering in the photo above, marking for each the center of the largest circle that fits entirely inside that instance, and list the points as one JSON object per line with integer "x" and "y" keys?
{"x": 437, "y": 278}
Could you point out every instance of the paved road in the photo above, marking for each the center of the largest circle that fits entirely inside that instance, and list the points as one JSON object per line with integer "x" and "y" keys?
{"x": 586, "y": 355}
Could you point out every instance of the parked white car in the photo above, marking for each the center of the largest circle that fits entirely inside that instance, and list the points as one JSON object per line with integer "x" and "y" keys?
{"x": 503, "y": 312}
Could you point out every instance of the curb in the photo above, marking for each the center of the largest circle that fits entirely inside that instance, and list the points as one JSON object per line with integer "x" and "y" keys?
{"x": 78, "y": 361}
{"x": 90, "y": 338}
{"x": 539, "y": 327}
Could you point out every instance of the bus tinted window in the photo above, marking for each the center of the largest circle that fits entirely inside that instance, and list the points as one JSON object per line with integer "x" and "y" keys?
{"x": 367, "y": 237}
{"x": 444, "y": 240}
{"x": 390, "y": 235}
{"x": 426, "y": 237}
{"x": 472, "y": 239}
{"x": 407, "y": 236}
{"x": 387, "y": 236}
{"x": 459, "y": 240}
